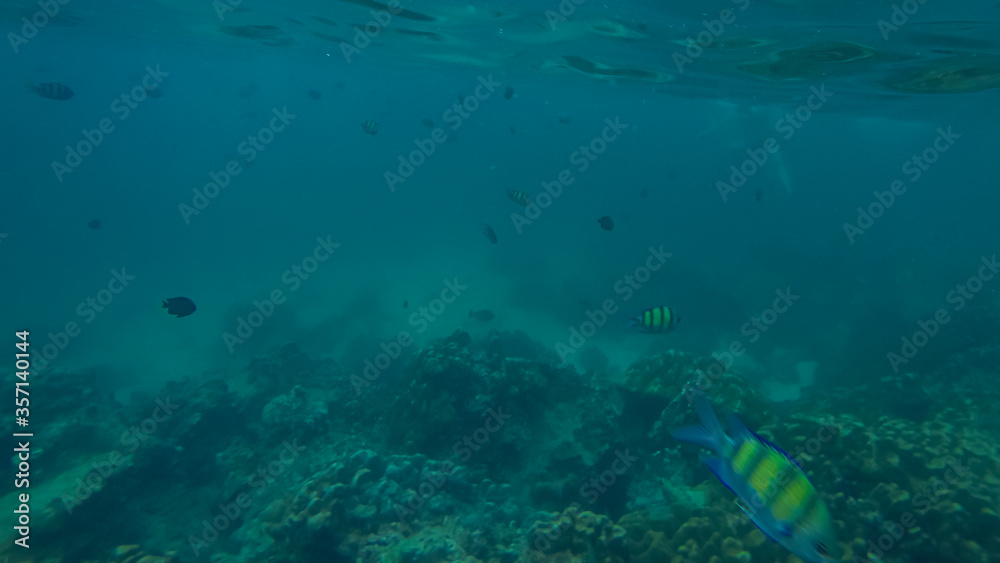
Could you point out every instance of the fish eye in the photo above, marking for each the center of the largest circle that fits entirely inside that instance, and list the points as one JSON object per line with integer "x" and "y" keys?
{"x": 821, "y": 548}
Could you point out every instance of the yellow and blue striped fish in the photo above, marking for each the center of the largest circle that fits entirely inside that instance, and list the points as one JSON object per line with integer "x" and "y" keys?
{"x": 775, "y": 492}
{"x": 657, "y": 319}
{"x": 370, "y": 127}
{"x": 519, "y": 197}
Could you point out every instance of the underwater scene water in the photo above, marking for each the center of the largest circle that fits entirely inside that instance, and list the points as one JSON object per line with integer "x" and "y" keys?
{"x": 546, "y": 281}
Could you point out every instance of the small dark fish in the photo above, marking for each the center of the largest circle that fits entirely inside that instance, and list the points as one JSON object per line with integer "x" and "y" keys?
{"x": 509, "y": 92}
{"x": 484, "y": 315}
{"x": 644, "y": 192}
{"x": 519, "y": 197}
{"x": 52, "y": 90}
{"x": 154, "y": 92}
{"x": 406, "y": 303}
{"x": 657, "y": 319}
{"x": 759, "y": 194}
{"x": 315, "y": 94}
{"x": 606, "y": 223}
{"x": 327, "y": 21}
{"x": 179, "y": 306}
{"x": 370, "y": 127}
{"x": 428, "y": 122}
{"x": 95, "y": 224}
{"x": 247, "y": 90}
{"x": 490, "y": 233}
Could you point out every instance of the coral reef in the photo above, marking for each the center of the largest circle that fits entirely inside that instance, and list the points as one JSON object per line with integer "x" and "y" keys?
{"x": 368, "y": 503}
{"x": 657, "y": 390}
{"x": 576, "y": 536}
{"x": 490, "y": 451}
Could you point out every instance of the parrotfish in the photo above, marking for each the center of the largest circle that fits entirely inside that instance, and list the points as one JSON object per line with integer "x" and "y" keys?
{"x": 773, "y": 490}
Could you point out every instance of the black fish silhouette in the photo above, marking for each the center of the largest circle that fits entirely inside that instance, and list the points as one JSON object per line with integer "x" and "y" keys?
{"x": 179, "y": 306}
{"x": 490, "y": 233}
{"x": 606, "y": 223}
{"x": 483, "y": 315}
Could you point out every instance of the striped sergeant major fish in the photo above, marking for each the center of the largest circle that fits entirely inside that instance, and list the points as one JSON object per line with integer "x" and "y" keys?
{"x": 773, "y": 490}
{"x": 52, "y": 90}
{"x": 657, "y": 319}
{"x": 519, "y": 197}
{"x": 370, "y": 127}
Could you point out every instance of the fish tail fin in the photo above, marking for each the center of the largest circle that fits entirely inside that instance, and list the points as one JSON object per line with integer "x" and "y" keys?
{"x": 165, "y": 305}
{"x": 710, "y": 434}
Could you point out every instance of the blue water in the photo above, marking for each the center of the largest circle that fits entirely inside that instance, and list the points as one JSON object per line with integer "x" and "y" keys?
{"x": 915, "y": 105}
